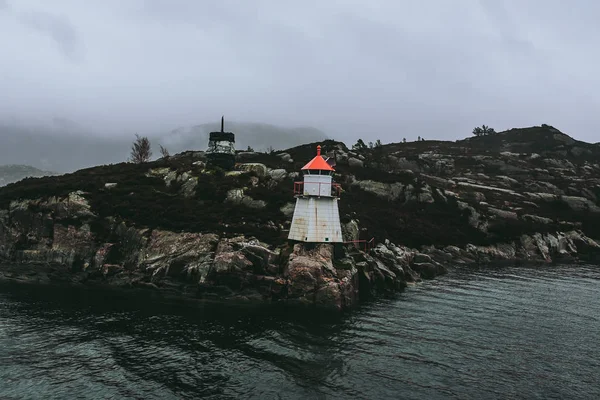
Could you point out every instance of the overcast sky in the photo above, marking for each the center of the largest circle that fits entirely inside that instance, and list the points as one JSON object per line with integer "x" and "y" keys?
{"x": 354, "y": 68}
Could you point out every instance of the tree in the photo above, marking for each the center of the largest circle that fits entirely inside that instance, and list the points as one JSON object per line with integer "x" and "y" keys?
{"x": 483, "y": 131}
{"x": 250, "y": 149}
{"x": 140, "y": 150}
{"x": 360, "y": 145}
{"x": 164, "y": 152}
{"x": 371, "y": 145}
{"x": 378, "y": 143}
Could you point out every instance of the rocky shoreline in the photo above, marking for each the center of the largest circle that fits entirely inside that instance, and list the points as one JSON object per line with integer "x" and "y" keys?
{"x": 177, "y": 228}
{"x": 52, "y": 242}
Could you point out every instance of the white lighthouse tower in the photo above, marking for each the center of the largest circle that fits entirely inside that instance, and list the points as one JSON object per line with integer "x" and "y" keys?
{"x": 316, "y": 216}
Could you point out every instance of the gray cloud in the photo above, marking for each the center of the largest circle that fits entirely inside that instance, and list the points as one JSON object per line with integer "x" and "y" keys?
{"x": 381, "y": 69}
{"x": 58, "y": 27}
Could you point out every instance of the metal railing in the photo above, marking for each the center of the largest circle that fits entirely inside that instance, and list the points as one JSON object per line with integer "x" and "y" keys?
{"x": 335, "y": 189}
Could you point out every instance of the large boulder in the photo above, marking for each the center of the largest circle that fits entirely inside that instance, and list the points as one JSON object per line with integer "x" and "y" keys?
{"x": 259, "y": 169}
{"x": 355, "y": 162}
{"x": 278, "y": 174}
{"x": 351, "y": 231}
{"x": 313, "y": 280}
{"x": 390, "y": 191}
{"x": 237, "y": 196}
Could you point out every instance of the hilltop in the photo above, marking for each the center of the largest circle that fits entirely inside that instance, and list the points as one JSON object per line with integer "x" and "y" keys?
{"x": 524, "y": 195}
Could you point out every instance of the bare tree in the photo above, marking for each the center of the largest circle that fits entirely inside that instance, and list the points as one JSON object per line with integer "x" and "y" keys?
{"x": 140, "y": 150}
{"x": 164, "y": 152}
{"x": 359, "y": 145}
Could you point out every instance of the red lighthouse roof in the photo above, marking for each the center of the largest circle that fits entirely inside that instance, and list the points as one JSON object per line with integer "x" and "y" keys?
{"x": 318, "y": 163}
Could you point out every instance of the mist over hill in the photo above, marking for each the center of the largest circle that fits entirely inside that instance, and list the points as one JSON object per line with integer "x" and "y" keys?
{"x": 259, "y": 136}
{"x": 14, "y": 173}
{"x": 64, "y": 146}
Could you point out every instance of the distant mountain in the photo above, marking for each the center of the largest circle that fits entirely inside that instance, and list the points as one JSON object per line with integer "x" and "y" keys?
{"x": 14, "y": 173}
{"x": 65, "y": 147}
{"x": 49, "y": 148}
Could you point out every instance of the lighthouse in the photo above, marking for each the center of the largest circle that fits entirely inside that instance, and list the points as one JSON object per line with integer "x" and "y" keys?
{"x": 316, "y": 216}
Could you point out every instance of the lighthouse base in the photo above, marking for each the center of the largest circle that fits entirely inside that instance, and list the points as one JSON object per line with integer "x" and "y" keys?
{"x": 316, "y": 220}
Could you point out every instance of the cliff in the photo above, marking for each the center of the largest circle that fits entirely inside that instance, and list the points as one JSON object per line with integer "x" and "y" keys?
{"x": 177, "y": 228}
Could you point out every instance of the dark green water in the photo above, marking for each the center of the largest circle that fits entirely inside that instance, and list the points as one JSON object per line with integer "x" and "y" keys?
{"x": 489, "y": 334}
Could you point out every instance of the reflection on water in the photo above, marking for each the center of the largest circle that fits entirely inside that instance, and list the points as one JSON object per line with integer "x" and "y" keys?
{"x": 504, "y": 333}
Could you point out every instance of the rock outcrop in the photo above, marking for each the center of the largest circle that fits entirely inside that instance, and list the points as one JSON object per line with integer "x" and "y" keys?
{"x": 54, "y": 241}
{"x": 413, "y": 210}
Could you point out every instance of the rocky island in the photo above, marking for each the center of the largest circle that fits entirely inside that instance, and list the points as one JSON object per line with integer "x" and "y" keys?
{"x": 409, "y": 211}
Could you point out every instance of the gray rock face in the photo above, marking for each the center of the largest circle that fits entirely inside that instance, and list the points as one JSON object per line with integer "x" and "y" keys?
{"x": 55, "y": 243}
{"x": 288, "y": 209}
{"x": 261, "y": 170}
{"x": 503, "y": 213}
{"x": 278, "y": 174}
{"x": 237, "y": 196}
{"x": 384, "y": 190}
{"x": 188, "y": 188}
{"x": 580, "y": 204}
{"x": 402, "y": 163}
{"x": 537, "y": 219}
{"x": 475, "y": 219}
{"x": 437, "y": 163}
{"x": 351, "y": 231}
{"x": 355, "y": 162}
{"x": 195, "y": 265}
{"x": 286, "y": 157}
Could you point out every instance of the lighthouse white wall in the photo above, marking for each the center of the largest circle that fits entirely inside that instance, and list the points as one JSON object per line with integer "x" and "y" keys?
{"x": 317, "y": 185}
{"x": 316, "y": 220}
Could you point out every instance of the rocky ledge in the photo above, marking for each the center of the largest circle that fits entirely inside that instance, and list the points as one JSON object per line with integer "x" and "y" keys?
{"x": 53, "y": 241}
{"x": 176, "y": 228}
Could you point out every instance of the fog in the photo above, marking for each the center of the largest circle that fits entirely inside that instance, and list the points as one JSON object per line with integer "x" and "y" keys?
{"x": 383, "y": 69}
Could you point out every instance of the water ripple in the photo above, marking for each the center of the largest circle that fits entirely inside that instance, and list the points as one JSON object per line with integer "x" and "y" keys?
{"x": 486, "y": 333}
